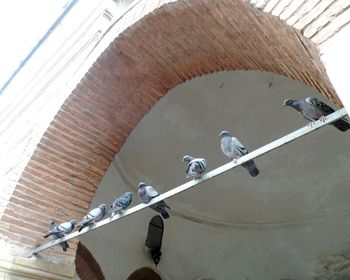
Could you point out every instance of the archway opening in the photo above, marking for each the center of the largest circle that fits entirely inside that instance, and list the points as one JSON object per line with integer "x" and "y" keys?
{"x": 144, "y": 273}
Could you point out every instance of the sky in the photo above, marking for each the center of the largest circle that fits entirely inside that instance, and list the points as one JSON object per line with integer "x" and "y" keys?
{"x": 22, "y": 24}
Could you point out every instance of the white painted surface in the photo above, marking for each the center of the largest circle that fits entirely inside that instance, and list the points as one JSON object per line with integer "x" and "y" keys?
{"x": 335, "y": 56}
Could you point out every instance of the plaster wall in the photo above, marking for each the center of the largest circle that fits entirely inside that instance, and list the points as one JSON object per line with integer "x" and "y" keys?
{"x": 275, "y": 226}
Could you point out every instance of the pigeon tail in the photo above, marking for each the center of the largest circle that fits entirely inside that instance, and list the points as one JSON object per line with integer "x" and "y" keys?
{"x": 55, "y": 234}
{"x": 82, "y": 226}
{"x": 166, "y": 205}
{"x": 341, "y": 124}
{"x": 160, "y": 207}
{"x": 251, "y": 167}
{"x": 64, "y": 246}
{"x": 164, "y": 213}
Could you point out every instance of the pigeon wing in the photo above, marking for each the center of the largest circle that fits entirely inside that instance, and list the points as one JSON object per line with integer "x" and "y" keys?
{"x": 321, "y": 106}
{"x": 92, "y": 215}
{"x": 53, "y": 230}
{"x": 65, "y": 227}
{"x": 239, "y": 146}
{"x": 188, "y": 167}
{"x": 125, "y": 201}
{"x": 151, "y": 191}
{"x": 198, "y": 165}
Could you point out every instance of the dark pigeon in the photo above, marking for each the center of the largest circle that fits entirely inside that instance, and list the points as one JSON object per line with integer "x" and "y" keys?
{"x": 313, "y": 109}
{"x": 147, "y": 193}
{"x": 121, "y": 203}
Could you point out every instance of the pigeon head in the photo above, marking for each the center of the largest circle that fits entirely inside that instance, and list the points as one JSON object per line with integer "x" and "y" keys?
{"x": 187, "y": 158}
{"x": 288, "y": 102}
{"x": 129, "y": 194}
{"x": 102, "y": 207}
{"x": 73, "y": 222}
{"x": 142, "y": 184}
{"x": 224, "y": 133}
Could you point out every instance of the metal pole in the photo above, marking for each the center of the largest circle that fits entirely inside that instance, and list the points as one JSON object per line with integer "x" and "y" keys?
{"x": 258, "y": 152}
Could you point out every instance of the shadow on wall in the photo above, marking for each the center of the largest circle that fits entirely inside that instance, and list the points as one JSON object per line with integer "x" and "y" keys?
{"x": 144, "y": 273}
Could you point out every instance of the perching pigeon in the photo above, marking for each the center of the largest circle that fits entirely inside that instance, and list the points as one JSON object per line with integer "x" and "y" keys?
{"x": 121, "y": 203}
{"x": 58, "y": 232}
{"x": 313, "y": 109}
{"x": 93, "y": 216}
{"x": 147, "y": 193}
{"x": 63, "y": 228}
{"x": 234, "y": 149}
{"x": 195, "y": 166}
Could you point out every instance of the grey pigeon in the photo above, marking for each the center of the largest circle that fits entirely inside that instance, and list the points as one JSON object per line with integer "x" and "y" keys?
{"x": 63, "y": 228}
{"x": 58, "y": 231}
{"x": 195, "y": 166}
{"x": 313, "y": 109}
{"x": 147, "y": 193}
{"x": 121, "y": 203}
{"x": 234, "y": 149}
{"x": 93, "y": 216}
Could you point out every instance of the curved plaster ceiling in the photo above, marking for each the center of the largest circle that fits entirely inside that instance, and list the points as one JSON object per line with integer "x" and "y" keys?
{"x": 304, "y": 180}
{"x": 275, "y": 226}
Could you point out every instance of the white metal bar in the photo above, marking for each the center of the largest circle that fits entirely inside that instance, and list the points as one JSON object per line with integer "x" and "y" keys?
{"x": 258, "y": 152}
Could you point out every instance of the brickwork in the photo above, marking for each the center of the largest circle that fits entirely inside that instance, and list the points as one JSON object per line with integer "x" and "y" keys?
{"x": 87, "y": 266}
{"x": 144, "y": 273}
{"x": 175, "y": 43}
{"x": 317, "y": 20}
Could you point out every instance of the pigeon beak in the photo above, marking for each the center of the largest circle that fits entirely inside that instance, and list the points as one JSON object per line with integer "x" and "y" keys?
{"x": 286, "y": 103}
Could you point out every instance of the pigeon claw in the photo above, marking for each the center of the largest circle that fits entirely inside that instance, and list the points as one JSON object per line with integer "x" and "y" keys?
{"x": 322, "y": 119}
{"x": 235, "y": 159}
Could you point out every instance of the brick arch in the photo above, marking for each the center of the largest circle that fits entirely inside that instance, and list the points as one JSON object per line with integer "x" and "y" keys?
{"x": 175, "y": 43}
{"x": 144, "y": 273}
{"x": 86, "y": 265}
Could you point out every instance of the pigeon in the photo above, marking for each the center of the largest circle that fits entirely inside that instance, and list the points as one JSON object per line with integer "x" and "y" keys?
{"x": 195, "y": 166}
{"x": 234, "y": 149}
{"x": 58, "y": 231}
{"x": 121, "y": 203}
{"x": 63, "y": 228}
{"x": 313, "y": 109}
{"x": 147, "y": 193}
{"x": 93, "y": 216}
